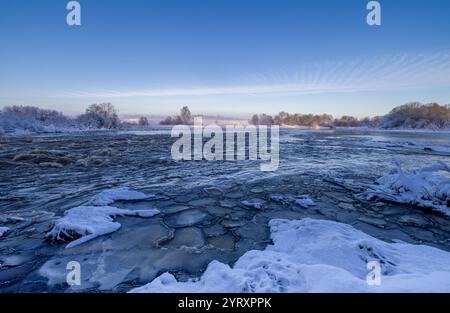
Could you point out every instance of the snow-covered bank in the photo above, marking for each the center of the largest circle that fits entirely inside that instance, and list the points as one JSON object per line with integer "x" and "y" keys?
{"x": 84, "y": 223}
{"x": 428, "y": 187}
{"x": 320, "y": 256}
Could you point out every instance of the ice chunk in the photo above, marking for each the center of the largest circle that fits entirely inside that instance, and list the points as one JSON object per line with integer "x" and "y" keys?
{"x": 109, "y": 196}
{"x": 256, "y": 204}
{"x": 84, "y": 223}
{"x": 305, "y": 202}
{"x": 377, "y": 222}
{"x": 414, "y": 220}
{"x": 187, "y": 237}
{"x": 279, "y": 199}
{"x": 186, "y": 218}
{"x": 428, "y": 187}
{"x": 3, "y": 230}
{"x": 320, "y": 256}
{"x": 224, "y": 242}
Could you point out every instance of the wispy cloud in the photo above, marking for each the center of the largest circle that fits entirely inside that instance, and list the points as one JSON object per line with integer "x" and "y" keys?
{"x": 359, "y": 74}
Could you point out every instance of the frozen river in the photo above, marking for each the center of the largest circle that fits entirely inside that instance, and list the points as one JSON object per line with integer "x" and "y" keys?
{"x": 202, "y": 215}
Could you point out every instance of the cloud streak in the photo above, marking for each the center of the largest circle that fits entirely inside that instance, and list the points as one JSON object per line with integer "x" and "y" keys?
{"x": 359, "y": 74}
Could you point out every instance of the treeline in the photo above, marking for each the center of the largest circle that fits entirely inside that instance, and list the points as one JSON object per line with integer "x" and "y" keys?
{"x": 283, "y": 118}
{"x": 414, "y": 115}
{"x": 418, "y": 116}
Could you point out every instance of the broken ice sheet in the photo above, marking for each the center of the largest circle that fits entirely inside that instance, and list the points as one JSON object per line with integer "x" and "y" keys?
{"x": 135, "y": 254}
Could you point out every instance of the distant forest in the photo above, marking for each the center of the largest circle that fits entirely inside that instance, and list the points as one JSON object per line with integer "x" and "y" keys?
{"x": 413, "y": 115}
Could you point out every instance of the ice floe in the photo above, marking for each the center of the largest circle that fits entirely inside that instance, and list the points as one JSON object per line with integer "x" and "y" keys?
{"x": 255, "y": 204}
{"x": 3, "y": 231}
{"x": 305, "y": 201}
{"x": 84, "y": 223}
{"x": 186, "y": 218}
{"x": 320, "y": 256}
{"x": 109, "y": 196}
{"x": 428, "y": 187}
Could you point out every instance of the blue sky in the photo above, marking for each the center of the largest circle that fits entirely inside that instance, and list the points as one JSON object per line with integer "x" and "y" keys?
{"x": 225, "y": 56}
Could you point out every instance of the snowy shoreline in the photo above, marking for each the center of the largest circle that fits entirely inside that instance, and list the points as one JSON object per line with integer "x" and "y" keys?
{"x": 161, "y": 130}
{"x": 319, "y": 256}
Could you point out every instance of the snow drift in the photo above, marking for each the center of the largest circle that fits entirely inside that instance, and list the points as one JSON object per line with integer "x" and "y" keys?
{"x": 428, "y": 187}
{"x": 320, "y": 256}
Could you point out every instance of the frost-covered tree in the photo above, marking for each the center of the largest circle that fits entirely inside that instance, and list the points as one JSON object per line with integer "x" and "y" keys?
{"x": 101, "y": 115}
{"x": 346, "y": 121}
{"x": 416, "y": 115}
{"x": 33, "y": 119}
{"x": 265, "y": 119}
{"x": 284, "y": 118}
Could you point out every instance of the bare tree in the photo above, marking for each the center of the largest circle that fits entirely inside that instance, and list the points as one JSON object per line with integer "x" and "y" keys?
{"x": 185, "y": 115}
{"x": 185, "y": 118}
{"x": 143, "y": 121}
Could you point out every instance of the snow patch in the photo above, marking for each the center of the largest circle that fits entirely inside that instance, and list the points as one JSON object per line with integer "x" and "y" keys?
{"x": 320, "y": 256}
{"x": 109, "y": 196}
{"x": 84, "y": 223}
{"x": 428, "y": 187}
